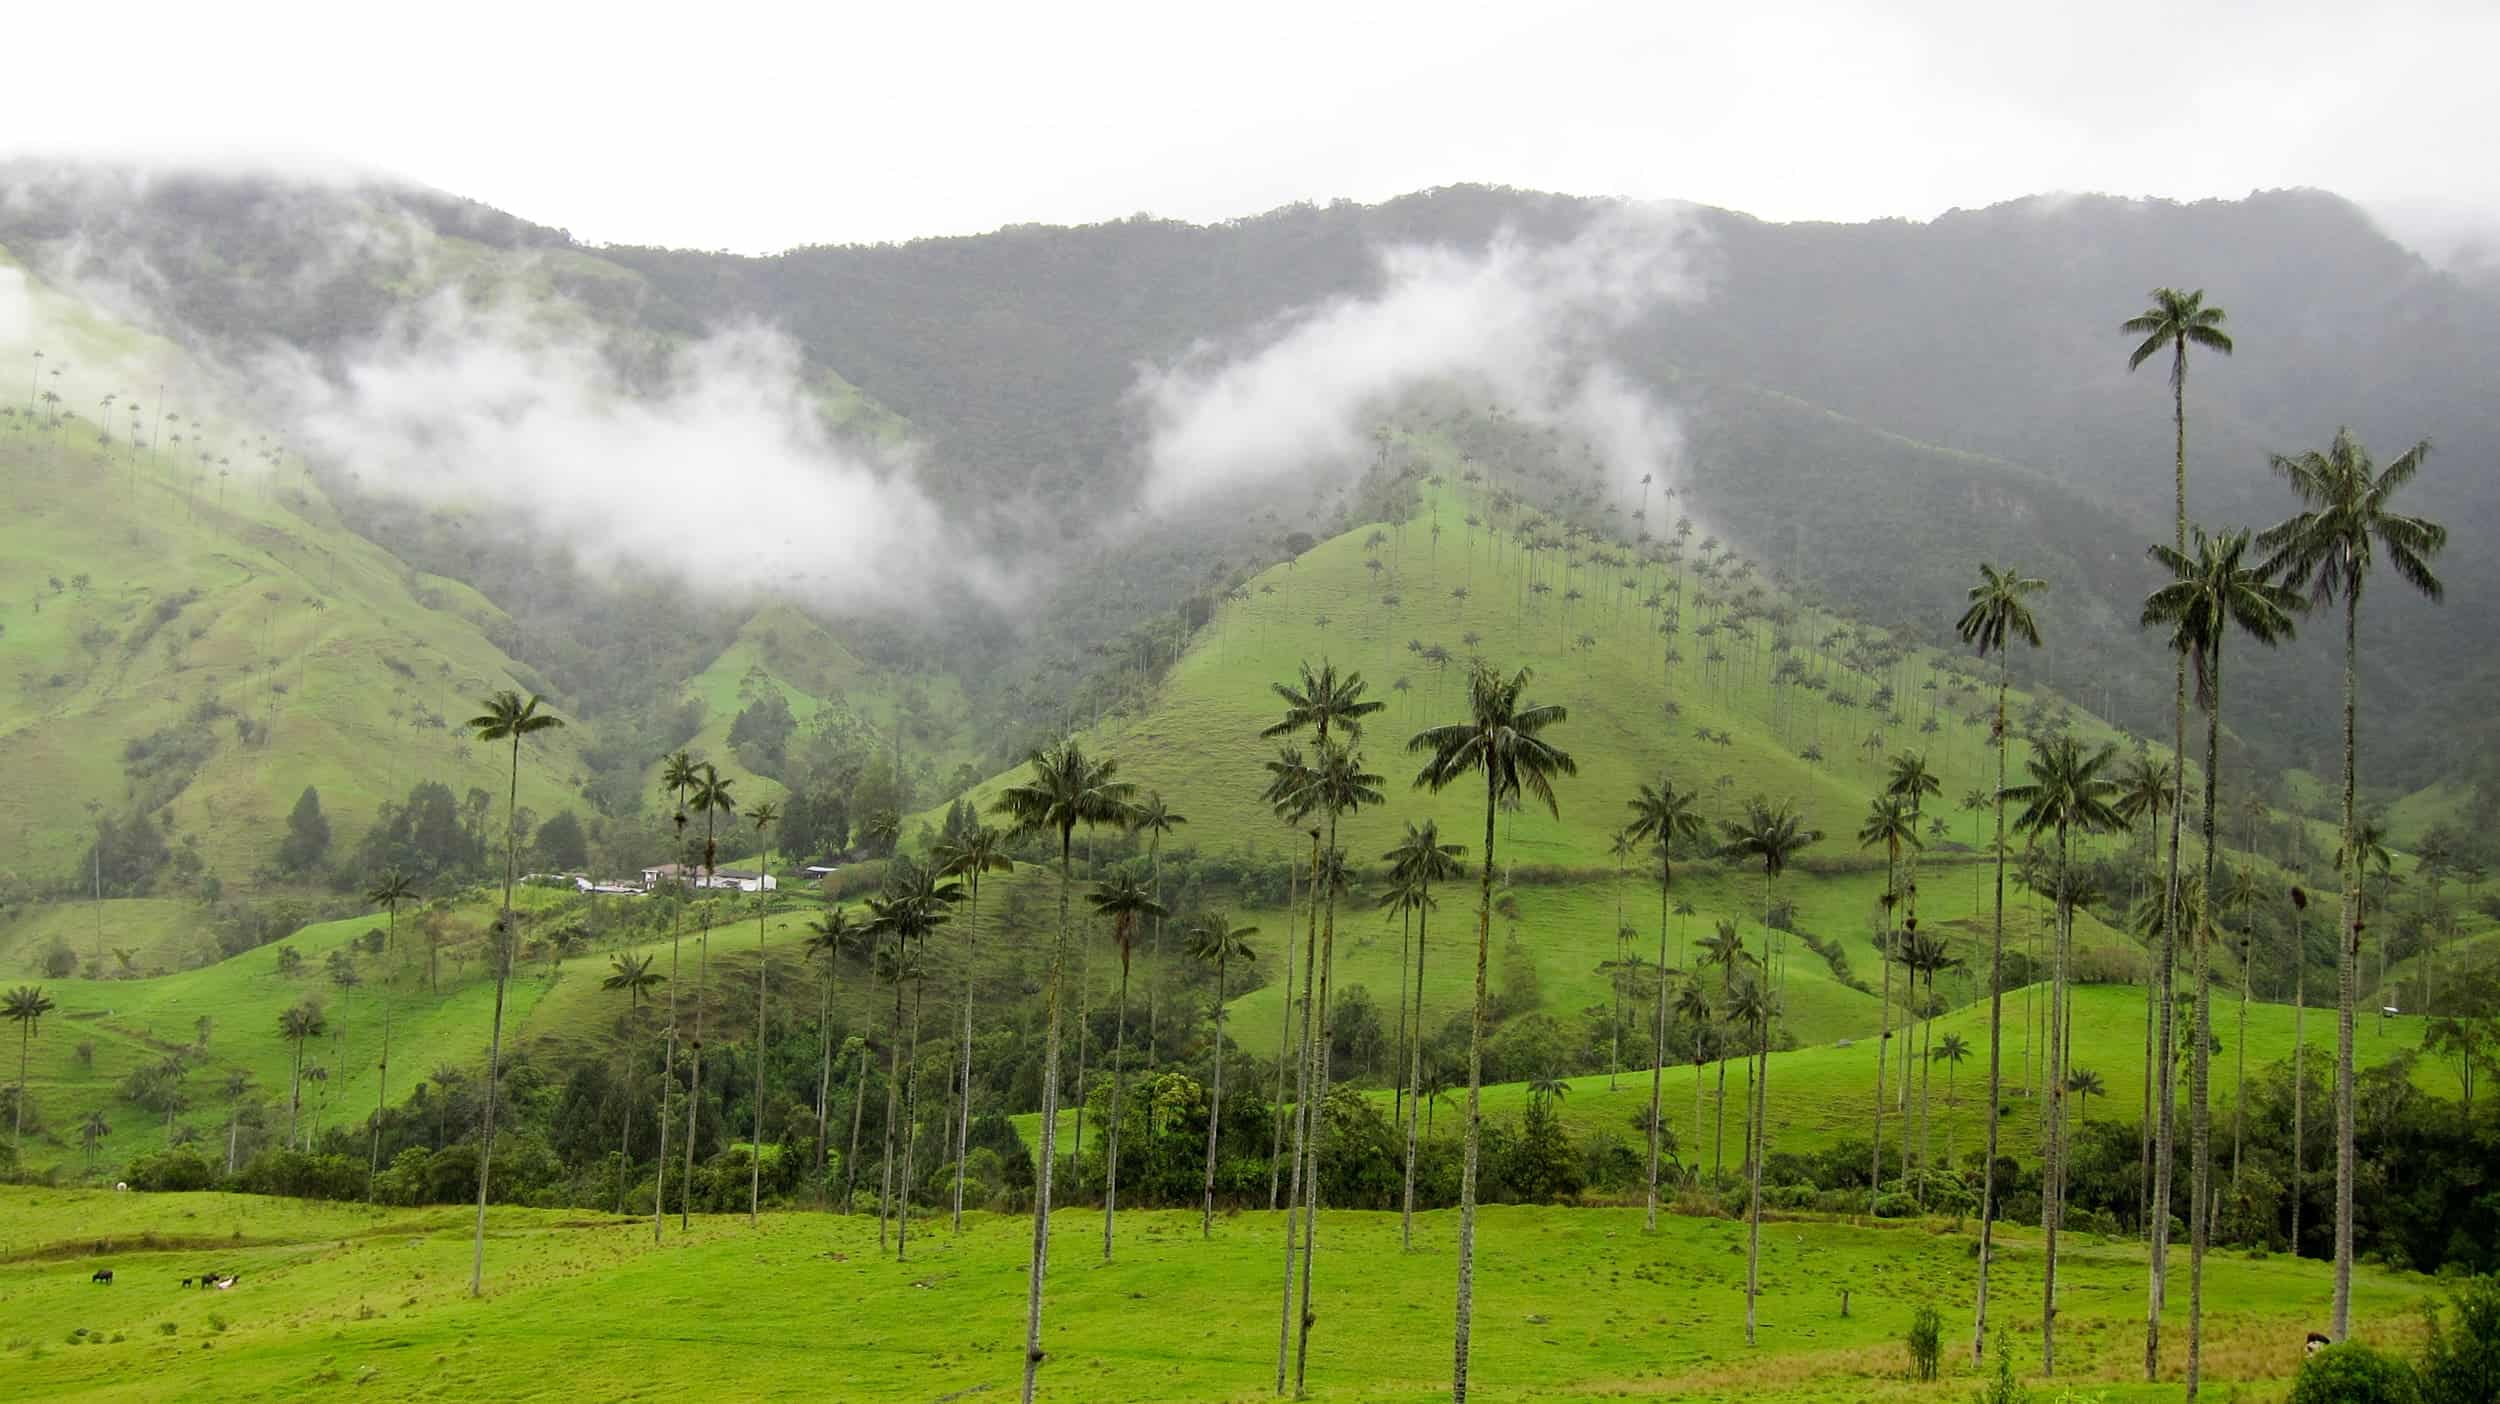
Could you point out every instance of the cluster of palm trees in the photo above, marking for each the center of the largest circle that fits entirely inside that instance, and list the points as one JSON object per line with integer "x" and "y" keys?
{"x": 2220, "y": 583}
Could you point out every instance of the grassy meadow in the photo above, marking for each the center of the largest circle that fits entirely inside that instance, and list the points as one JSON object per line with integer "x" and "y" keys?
{"x": 1571, "y": 1305}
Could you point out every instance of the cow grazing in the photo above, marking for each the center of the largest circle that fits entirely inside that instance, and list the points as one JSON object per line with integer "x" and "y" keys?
{"x": 103, "y": 1276}
{"x": 186, "y": 1282}
{"x": 228, "y": 1281}
{"x": 2317, "y": 1342}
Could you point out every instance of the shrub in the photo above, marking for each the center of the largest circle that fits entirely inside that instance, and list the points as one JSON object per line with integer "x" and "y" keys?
{"x": 1926, "y": 1342}
{"x": 2463, "y": 1366}
{"x": 171, "y": 1170}
{"x": 2003, "y": 1388}
{"x": 2352, "y": 1373}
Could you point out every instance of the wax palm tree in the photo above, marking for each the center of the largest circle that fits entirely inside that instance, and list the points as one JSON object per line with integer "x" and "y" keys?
{"x": 1547, "y": 1088}
{"x": 1337, "y": 786}
{"x": 678, "y": 776}
{"x": 2347, "y": 519}
{"x": 2085, "y": 1084}
{"x": 2212, "y": 593}
{"x": 2067, "y": 794}
{"x": 2175, "y": 320}
{"x": 1725, "y": 949}
{"x": 1124, "y": 902}
{"x": 710, "y": 794}
{"x": 910, "y": 907}
{"x": 1663, "y": 816}
{"x": 1997, "y": 616}
{"x": 1331, "y": 706}
{"x": 392, "y": 889}
{"x": 295, "y": 1025}
{"x": 1065, "y": 789}
{"x": 830, "y": 937}
{"x": 2367, "y": 854}
{"x": 983, "y": 850}
{"x": 1502, "y": 740}
{"x": 1752, "y": 1007}
{"x": 1771, "y": 835}
{"x": 634, "y": 975}
{"x": 91, "y": 1134}
{"x": 1217, "y": 942}
{"x": 1888, "y": 823}
{"x": 1950, "y": 1050}
{"x": 25, "y": 1006}
{"x": 1693, "y": 1006}
{"x": 763, "y": 814}
{"x": 1419, "y": 860}
{"x": 2144, "y": 792}
{"x": 1155, "y": 820}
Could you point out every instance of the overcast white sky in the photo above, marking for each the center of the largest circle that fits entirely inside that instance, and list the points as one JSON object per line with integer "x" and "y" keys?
{"x": 751, "y": 127}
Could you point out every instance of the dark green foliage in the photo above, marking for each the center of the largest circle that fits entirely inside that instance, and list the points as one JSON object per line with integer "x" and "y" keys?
{"x": 126, "y": 858}
{"x": 169, "y": 1171}
{"x": 2461, "y": 1360}
{"x": 562, "y": 846}
{"x": 424, "y": 836}
{"x": 1926, "y": 1342}
{"x": 307, "y": 834}
{"x": 761, "y": 733}
{"x": 2353, "y": 1373}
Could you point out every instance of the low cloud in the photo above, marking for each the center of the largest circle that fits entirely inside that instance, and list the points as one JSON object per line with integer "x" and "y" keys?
{"x": 1521, "y": 323}
{"x": 723, "y": 474}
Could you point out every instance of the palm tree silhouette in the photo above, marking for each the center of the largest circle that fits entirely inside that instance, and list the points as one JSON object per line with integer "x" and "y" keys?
{"x": 1663, "y": 816}
{"x": 2331, "y": 546}
{"x": 506, "y": 718}
{"x": 1752, "y": 1007}
{"x": 1996, "y": 617}
{"x": 1419, "y": 861}
{"x": 1217, "y": 942}
{"x": 1125, "y": 902}
{"x": 1065, "y": 789}
{"x": 1502, "y": 740}
{"x": 831, "y": 936}
{"x": 1950, "y": 1050}
{"x": 393, "y": 889}
{"x": 763, "y": 814}
{"x": 2067, "y": 794}
{"x": 711, "y": 797}
{"x": 1889, "y": 824}
{"x": 25, "y": 1007}
{"x": 295, "y": 1025}
{"x": 2212, "y": 593}
{"x": 966, "y": 859}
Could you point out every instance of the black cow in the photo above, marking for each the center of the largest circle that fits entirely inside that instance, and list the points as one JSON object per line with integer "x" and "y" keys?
{"x": 103, "y": 1275}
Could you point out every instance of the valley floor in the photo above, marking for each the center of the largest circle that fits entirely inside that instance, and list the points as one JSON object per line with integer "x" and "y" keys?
{"x": 1571, "y": 1304}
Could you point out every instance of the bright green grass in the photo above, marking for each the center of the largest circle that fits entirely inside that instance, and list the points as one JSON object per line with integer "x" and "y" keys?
{"x": 161, "y": 933}
{"x": 1570, "y": 1305}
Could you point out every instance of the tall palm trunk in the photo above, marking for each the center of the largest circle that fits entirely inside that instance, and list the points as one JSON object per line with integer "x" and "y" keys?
{"x": 2300, "y": 1069}
{"x": 763, "y": 1017}
{"x": 1996, "y": 1044}
{"x": 1302, "y": 1077}
{"x": 1050, "y": 1134}
{"x": 1284, "y": 1048}
{"x": 295, "y": 1094}
{"x": 859, "y": 1112}
{"x": 1119, "y": 1086}
{"x": 824, "y": 1068}
{"x": 963, "y": 1069}
{"x": 2164, "y": 1096}
{"x": 911, "y": 1116}
{"x": 2347, "y": 993}
{"x": 659, "y": 1183}
{"x": 1325, "y": 1046}
{"x": 1475, "y": 1109}
{"x": 382, "y": 1089}
{"x": 2200, "y": 1107}
{"x": 2053, "y": 1151}
{"x": 1215, "y": 1098}
{"x": 504, "y": 944}
{"x": 1718, "y": 1131}
{"x": 1397, "y": 1059}
{"x": 1883, "y": 1041}
{"x": 893, "y": 1102}
{"x": 1758, "y": 1137}
{"x": 1415, "y": 1071}
{"x": 1658, "y": 1052}
{"x": 703, "y": 991}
